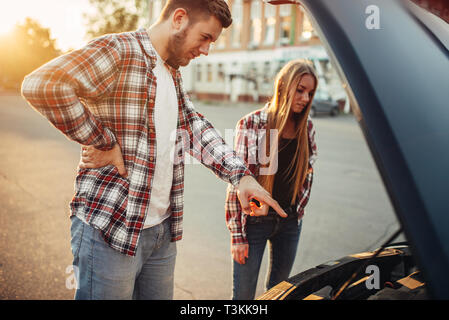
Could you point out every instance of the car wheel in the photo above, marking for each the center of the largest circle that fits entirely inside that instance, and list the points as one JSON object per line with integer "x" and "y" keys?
{"x": 334, "y": 112}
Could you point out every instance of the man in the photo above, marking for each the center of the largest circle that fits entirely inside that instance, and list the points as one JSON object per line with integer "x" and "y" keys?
{"x": 122, "y": 97}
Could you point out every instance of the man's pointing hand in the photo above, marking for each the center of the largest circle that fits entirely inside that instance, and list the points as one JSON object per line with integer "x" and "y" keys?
{"x": 249, "y": 188}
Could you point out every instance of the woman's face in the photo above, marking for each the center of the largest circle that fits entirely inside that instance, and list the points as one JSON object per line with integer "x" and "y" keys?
{"x": 303, "y": 94}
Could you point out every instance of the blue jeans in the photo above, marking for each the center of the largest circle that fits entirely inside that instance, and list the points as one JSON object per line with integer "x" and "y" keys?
{"x": 283, "y": 238}
{"x": 105, "y": 273}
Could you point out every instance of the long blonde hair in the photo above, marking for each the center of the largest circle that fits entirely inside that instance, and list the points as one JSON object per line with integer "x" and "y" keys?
{"x": 286, "y": 84}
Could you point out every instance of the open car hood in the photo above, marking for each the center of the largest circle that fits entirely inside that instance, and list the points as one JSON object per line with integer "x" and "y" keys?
{"x": 396, "y": 72}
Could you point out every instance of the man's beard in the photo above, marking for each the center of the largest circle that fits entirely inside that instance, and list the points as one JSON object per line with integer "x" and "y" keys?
{"x": 175, "y": 49}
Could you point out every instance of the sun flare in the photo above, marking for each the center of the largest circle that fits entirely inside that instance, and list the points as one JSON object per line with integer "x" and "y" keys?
{"x": 64, "y": 18}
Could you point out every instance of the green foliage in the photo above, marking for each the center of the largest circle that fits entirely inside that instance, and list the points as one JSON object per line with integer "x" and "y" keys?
{"x": 26, "y": 48}
{"x": 113, "y": 16}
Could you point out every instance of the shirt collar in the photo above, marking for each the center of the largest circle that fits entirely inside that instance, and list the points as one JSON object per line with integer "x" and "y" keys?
{"x": 144, "y": 39}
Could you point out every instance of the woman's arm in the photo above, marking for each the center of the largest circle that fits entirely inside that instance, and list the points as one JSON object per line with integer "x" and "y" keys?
{"x": 304, "y": 194}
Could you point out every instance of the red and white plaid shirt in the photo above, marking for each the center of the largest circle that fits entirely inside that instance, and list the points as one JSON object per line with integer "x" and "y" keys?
{"x": 104, "y": 93}
{"x": 250, "y": 130}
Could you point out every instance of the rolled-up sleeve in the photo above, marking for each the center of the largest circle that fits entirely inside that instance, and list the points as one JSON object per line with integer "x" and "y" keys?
{"x": 56, "y": 90}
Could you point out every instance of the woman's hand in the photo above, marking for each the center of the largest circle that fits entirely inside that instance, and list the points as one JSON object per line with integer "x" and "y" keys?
{"x": 239, "y": 252}
{"x": 94, "y": 158}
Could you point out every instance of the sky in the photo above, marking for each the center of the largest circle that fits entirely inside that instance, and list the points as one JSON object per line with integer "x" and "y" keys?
{"x": 63, "y": 17}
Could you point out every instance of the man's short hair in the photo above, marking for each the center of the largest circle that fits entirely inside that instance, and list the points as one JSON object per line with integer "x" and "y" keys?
{"x": 197, "y": 8}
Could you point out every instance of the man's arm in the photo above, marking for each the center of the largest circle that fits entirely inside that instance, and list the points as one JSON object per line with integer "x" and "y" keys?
{"x": 208, "y": 147}
{"x": 249, "y": 188}
{"x": 55, "y": 89}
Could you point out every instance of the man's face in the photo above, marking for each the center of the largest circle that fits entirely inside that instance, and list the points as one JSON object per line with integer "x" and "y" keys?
{"x": 192, "y": 41}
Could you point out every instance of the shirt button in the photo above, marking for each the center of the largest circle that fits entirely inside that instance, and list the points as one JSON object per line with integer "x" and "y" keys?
{"x": 151, "y": 130}
{"x": 151, "y": 101}
{"x": 151, "y": 158}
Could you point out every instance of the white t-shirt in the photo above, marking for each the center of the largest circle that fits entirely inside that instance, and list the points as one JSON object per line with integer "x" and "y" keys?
{"x": 165, "y": 119}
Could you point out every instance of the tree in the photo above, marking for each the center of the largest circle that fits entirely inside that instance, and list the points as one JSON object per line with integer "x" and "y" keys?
{"x": 113, "y": 16}
{"x": 26, "y": 48}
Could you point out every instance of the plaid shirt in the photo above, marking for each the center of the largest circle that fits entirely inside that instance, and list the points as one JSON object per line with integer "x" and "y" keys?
{"x": 104, "y": 93}
{"x": 250, "y": 130}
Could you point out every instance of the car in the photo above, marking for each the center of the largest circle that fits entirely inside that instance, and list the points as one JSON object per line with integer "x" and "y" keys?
{"x": 392, "y": 57}
{"x": 322, "y": 105}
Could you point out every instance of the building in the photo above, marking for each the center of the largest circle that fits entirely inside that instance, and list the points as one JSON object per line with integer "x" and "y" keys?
{"x": 242, "y": 64}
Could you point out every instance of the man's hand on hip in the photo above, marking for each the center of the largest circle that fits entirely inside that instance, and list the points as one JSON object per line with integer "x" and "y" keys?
{"x": 249, "y": 188}
{"x": 94, "y": 158}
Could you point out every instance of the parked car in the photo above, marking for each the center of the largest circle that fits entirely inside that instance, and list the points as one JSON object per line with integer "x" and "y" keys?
{"x": 323, "y": 105}
{"x": 392, "y": 57}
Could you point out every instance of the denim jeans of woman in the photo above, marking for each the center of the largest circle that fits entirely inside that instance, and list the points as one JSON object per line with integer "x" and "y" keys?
{"x": 105, "y": 273}
{"x": 282, "y": 237}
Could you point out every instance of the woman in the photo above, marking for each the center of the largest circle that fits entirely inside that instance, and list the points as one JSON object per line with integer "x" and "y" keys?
{"x": 284, "y": 128}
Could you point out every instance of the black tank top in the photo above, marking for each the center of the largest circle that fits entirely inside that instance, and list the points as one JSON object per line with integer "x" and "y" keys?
{"x": 282, "y": 188}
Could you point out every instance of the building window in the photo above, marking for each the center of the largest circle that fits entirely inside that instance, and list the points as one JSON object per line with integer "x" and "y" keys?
{"x": 220, "y": 73}
{"x": 256, "y": 23}
{"x": 209, "y": 72}
{"x": 285, "y": 10}
{"x": 285, "y": 24}
{"x": 198, "y": 72}
{"x": 266, "y": 72}
{"x": 234, "y": 70}
{"x": 252, "y": 72}
{"x": 307, "y": 29}
{"x": 237, "y": 17}
{"x": 270, "y": 24}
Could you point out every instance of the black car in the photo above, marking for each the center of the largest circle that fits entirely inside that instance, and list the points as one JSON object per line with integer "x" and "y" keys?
{"x": 393, "y": 58}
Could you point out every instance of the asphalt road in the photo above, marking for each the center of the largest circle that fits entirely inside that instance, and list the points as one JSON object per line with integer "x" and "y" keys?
{"x": 348, "y": 212}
